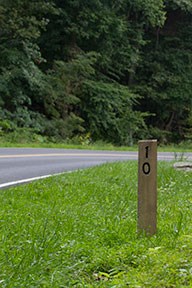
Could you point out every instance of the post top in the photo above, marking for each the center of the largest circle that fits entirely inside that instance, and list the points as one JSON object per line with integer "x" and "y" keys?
{"x": 149, "y": 141}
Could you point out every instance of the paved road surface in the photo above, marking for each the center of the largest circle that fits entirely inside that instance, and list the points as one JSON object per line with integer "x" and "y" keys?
{"x": 22, "y": 164}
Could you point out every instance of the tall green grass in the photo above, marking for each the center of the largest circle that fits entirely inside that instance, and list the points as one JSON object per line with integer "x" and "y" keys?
{"x": 26, "y": 137}
{"x": 79, "y": 230}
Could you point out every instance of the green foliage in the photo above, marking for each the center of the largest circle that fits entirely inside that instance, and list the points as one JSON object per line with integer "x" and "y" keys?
{"x": 63, "y": 129}
{"x": 118, "y": 70}
{"x": 5, "y": 126}
{"x": 21, "y": 136}
{"x": 108, "y": 112}
{"x": 184, "y": 5}
{"x": 61, "y": 100}
{"x": 164, "y": 78}
{"x": 151, "y": 11}
{"x": 21, "y": 80}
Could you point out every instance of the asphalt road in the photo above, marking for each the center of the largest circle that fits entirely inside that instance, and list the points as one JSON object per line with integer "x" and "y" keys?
{"x": 19, "y": 165}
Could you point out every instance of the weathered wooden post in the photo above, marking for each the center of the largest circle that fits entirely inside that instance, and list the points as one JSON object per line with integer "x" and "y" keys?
{"x": 147, "y": 187}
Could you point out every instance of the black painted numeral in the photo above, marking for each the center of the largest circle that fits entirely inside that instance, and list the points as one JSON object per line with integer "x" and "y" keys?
{"x": 146, "y": 168}
{"x": 147, "y": 151}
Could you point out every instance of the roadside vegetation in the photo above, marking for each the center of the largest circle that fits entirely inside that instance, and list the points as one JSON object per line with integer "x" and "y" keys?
{"x": 79, "y": 230}
{"x": 28, "y": 138}
{"x": 114, "y": 71}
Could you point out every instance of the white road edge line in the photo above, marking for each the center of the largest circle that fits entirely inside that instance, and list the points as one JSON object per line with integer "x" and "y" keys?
{"x": 31, "y": 179}
{"x": 50, "y": 175}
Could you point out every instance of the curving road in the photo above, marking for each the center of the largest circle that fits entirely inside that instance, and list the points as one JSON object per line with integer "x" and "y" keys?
{"x": 19, "y": 165}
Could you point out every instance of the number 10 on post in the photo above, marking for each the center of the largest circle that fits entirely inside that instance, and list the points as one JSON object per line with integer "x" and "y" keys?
{"x": 147, "y": 187}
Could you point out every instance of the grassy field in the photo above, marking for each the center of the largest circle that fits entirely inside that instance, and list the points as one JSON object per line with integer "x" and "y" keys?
{"x": 79, "y": 230}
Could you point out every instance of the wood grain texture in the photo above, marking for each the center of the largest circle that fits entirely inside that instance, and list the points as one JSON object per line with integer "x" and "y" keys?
{"x": 147, "y": 187}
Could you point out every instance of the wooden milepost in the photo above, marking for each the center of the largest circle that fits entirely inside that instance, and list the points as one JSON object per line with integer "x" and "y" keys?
{"x": 147, "y": 187}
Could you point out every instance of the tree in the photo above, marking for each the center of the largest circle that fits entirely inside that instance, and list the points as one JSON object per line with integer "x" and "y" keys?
{"x": 114, "y": 69}
{"x": 164, "y": 77}
{"x": 114, "y": 32}
{"x": 21, "y": 80}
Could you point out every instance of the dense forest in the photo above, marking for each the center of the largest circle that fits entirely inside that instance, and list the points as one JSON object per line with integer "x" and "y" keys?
{"x": 110, "y": 70}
